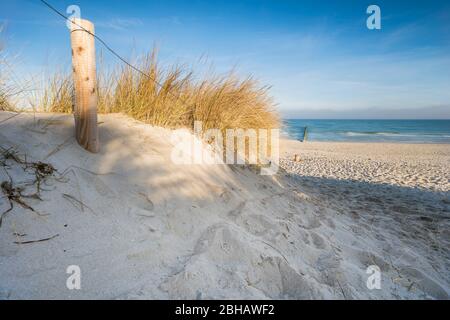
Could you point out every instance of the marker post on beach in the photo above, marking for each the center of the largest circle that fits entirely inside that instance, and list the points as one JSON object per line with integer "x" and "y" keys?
{"x": 85, "y": 83}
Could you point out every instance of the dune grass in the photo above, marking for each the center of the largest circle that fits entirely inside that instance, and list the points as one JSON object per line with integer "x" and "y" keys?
{"x": 172, "y": 97}
{"x": 219, "y": 102}
{"x": 4, "y": 103}
{"x": 55, "y": 96}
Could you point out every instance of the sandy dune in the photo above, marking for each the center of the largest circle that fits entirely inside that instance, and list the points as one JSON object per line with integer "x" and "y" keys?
{"x": 142, "y": 227}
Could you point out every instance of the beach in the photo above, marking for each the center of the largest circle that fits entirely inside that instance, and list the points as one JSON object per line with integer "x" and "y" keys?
{"x": 422, "y": 166}
{"x": 141, "y": 227}
{"x": 396, "y": 197}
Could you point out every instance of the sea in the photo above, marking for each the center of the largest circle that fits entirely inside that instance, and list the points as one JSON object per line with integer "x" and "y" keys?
{"x": 406, "y": 131}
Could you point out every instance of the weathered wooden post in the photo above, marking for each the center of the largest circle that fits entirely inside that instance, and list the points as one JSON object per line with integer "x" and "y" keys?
{"x": 85, "y": 83}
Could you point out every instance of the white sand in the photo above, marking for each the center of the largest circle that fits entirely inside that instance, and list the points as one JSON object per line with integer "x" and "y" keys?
{"x": 148, "y": 228}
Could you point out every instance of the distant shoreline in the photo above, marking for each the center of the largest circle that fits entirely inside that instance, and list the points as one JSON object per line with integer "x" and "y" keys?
{"x": 288, "y": 138}
{"x": 384, "y": 131}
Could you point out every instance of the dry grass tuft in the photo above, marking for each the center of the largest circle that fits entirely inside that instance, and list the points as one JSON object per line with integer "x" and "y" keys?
{"x": 4, "y": 102}
{"x": 219, "y": 102}
{"x": 171, "y": 97}
{"x": 56, "y": 96}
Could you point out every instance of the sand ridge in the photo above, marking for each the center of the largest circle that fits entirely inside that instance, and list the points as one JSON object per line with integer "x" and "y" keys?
{"x": 141, "y": 227}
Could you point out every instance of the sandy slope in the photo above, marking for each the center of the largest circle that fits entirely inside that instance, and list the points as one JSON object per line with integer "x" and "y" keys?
{"x": 140, "y": 226}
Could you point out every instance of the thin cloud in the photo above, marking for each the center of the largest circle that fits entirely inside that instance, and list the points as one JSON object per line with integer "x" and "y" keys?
{"x": 424, "y": 112}
{"x": 120, "y": 23}
{"x": 34, "y": 22}
{"x": 402, "y": 34}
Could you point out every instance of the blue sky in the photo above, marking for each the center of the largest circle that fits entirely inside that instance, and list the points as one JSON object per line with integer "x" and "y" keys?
{"x": 318, "y": 56}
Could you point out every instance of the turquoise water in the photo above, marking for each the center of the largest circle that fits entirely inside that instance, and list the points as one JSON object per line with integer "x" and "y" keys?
{"x": 414, "y": 131}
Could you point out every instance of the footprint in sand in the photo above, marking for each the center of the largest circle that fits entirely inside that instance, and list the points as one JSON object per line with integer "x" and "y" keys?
{"x": 331, "y": 275}
{"x": 141, "y": 200}
{"x": 318, "y": 241}
{"x": 237, "y": 211}
{"x": 304, "y": 236}
{"x": 98, "y": 184}
{"x": 327, "y": 261}
{"x": 293, "y": 284}
{"x": 141, "y": 207}
{"x": 278, "y": 280}
{"x": 330, "y": 223}
{"x": 368, "y": 258}
{"x": 259, "y": 225}
{"x": 424, "y": 283}
{"x": 310, "y": 223}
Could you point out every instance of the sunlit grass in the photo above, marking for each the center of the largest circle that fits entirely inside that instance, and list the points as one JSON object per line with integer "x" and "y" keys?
{"x": 169, "y": 97}
{"x": 55, "y": 95}
{"x": 4, "y": 101}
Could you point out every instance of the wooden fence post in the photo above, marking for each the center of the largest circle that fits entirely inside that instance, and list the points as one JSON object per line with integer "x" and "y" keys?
{"x": 85, "y": 84}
